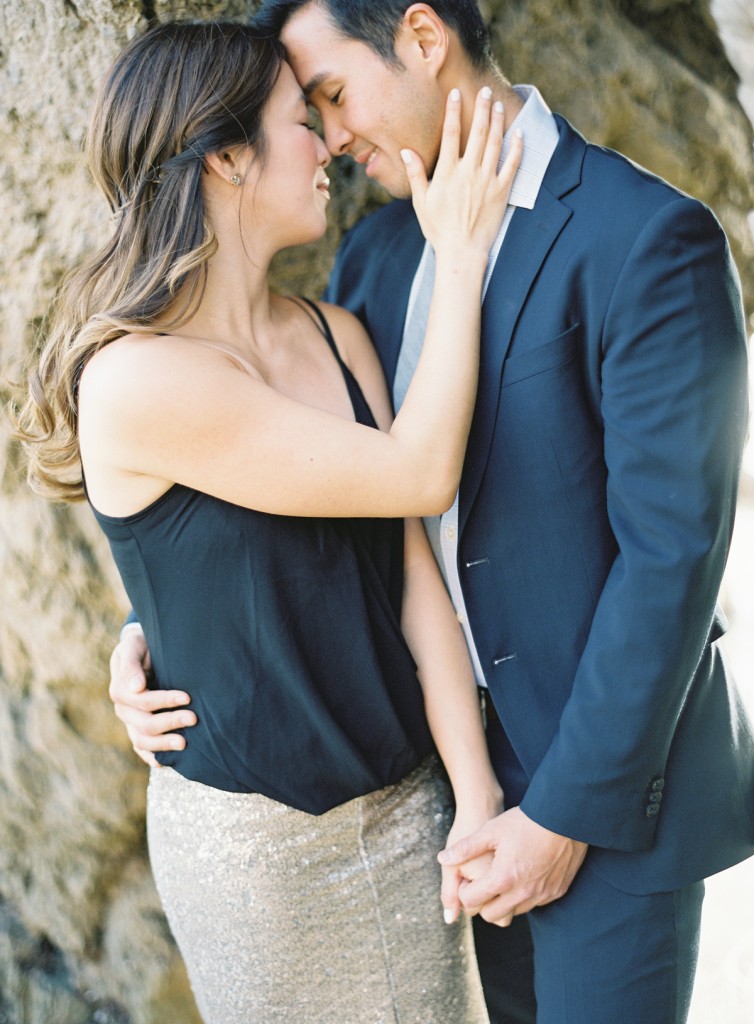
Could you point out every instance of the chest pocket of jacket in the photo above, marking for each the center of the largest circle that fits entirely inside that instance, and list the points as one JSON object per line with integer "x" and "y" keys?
{"x": 557, "y": 352}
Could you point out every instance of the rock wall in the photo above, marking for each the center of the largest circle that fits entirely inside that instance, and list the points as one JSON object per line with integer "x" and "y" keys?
{"x": 82, "y": 938}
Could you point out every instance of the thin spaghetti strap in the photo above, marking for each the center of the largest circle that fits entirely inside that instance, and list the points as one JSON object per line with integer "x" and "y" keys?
{"x": 360, "y": 406}
{"x": 315, "y": 314}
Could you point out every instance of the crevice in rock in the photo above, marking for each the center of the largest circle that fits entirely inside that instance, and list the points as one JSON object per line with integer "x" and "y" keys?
{"x": 686, "y": 30}
{"x": 149, "y": 11}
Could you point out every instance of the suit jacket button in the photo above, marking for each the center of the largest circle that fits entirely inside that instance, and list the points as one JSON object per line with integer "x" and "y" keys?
{"x": 655, "y": 798}
{"x": 652, "y": 810}
{"x": 657, "y": 785}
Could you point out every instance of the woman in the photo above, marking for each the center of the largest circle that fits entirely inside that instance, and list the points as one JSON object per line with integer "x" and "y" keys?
{"x": 228, "y": 443}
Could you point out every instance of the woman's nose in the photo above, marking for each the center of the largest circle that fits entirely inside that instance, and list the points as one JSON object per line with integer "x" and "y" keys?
{"x": 323, "y": 153}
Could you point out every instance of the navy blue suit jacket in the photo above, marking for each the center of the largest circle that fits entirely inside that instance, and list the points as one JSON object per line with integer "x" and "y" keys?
{"x": 596, "y": 506}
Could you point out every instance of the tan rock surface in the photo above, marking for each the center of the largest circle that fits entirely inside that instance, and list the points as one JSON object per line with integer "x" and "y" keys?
{"x": 81, "y": 935}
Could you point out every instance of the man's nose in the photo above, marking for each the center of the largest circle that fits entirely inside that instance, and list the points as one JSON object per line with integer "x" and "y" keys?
{"x": 337, "y": 138}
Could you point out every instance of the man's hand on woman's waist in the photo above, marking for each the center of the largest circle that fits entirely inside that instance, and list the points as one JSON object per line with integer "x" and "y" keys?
{"x": 135, "y": 704}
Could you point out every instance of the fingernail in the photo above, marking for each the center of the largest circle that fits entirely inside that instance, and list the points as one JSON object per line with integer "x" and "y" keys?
{"x": 455, "y": 95}
{"x": 135, "y": 684}
{"x": 486, "y": 93}
{"x": 442, "y": 856}
{"x": 406, "y": 156}
{"x": 499, "y": 108}
{"x": 187, "y": 720}
{"x": 177, "y": 743}
{"x": 519, "y": 133}
{"x": 448, "y": 916}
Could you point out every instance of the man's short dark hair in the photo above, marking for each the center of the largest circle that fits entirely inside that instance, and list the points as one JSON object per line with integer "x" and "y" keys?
{"x": 376, "y": 23}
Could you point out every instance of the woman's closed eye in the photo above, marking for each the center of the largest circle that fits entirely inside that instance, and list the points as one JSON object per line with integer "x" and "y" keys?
{"x": 313, "y": 120}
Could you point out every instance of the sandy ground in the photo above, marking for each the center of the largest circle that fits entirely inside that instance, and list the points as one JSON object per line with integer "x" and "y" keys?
{"x": 724, "y": 992}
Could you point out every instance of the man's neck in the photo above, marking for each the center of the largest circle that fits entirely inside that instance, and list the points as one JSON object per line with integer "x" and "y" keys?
{"x": 500, "y": 91}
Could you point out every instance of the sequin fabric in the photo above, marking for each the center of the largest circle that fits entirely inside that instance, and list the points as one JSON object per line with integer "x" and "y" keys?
{"x": 330, "y": 919}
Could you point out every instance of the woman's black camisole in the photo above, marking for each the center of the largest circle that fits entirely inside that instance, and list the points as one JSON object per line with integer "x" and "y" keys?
{"x": 286, "y": 632}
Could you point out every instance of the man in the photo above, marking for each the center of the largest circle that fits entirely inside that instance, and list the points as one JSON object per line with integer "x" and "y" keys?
{"x": 585, "y": 551}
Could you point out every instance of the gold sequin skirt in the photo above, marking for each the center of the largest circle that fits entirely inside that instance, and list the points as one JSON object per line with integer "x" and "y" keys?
{"x": 283, "y": 916}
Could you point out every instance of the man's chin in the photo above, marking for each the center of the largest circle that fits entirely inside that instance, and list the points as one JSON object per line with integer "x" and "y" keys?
{"x": 398, "y": 188}
{"x": 401, "y": 192}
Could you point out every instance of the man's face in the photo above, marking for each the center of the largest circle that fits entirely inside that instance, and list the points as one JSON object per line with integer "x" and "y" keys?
{"x": 368, "y": 108}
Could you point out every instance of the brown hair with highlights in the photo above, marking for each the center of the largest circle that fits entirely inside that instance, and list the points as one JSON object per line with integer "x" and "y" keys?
{"x": 175, "y": 94}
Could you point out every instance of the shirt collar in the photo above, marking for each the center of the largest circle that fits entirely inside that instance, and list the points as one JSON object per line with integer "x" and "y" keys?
{"x": 540, "y": 141}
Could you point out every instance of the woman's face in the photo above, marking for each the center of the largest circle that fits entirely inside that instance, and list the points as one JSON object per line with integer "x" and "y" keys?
{"x": 290, "y": 190}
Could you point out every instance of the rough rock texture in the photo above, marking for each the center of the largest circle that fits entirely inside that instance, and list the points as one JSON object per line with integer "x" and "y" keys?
{"x": 650, "y": 78}
{"x": 81, "y": 935}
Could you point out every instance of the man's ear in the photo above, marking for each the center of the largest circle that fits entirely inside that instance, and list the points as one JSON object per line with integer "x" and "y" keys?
{"x": 424, "y": 35}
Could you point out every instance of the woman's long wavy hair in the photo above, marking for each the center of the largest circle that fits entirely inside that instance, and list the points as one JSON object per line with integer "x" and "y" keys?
{"x": 177, "y": 93}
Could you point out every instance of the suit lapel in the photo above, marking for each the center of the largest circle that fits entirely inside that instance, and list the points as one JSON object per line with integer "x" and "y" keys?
{"x": 530, "y": 237}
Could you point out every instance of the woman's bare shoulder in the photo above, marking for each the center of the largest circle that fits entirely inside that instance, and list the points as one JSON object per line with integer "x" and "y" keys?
{"x": 129, "y": 351}
{"x": 129, "y": 376}
{"x": 140, "y": 354}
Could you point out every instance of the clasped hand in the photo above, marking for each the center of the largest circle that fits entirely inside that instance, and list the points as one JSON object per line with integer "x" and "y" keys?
{"x": 509, "y": 866}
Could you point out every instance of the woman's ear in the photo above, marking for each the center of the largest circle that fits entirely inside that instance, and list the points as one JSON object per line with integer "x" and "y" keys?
{"x": 226, "y": 164}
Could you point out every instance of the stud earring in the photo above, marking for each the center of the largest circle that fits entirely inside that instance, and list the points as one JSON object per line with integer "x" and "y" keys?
{"x": 236, "y": 179}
